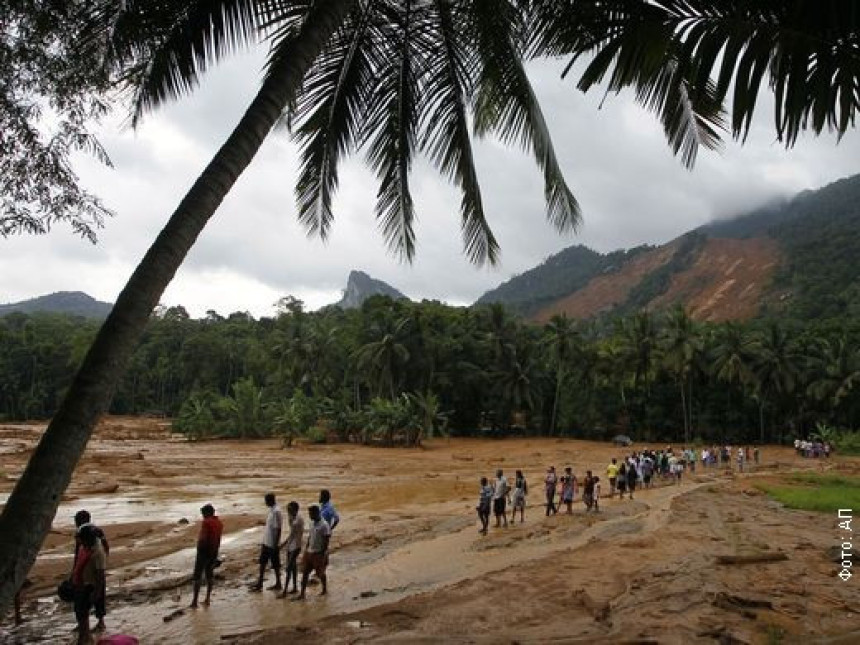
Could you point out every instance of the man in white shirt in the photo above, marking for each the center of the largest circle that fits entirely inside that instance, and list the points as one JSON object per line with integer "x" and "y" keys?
{"x": 500, "y": 496}
{"x": 316, "y": 551}
{"x": 269, "y": 549}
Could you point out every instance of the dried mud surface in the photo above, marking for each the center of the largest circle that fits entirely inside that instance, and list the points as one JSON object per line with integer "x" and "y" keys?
{"x": 408, "y": 564}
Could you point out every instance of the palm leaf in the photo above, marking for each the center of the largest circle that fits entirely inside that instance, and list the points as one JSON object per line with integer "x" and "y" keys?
{"x": 446, "y": 136}
{"x": 392, "y": 125}
{"x": 172, "y": 43}
{"x": 505, "y": 102}
{"x": 329, "y": 108}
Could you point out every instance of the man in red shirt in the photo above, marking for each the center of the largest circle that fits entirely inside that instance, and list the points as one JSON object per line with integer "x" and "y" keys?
{"x": 208, "y": 543}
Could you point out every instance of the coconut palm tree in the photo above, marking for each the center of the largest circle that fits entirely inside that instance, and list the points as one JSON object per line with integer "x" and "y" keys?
{"x": 562, "y": 340}
{"x": 350, "y": 73}
{"x": 681, "y": 349}
{"x": 776, "y": 369}
{"x": 731, "y": 359}
{"x": 392, "y": 76}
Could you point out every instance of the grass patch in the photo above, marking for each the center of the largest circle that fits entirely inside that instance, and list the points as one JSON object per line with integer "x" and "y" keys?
{"x": 813, "y": 492}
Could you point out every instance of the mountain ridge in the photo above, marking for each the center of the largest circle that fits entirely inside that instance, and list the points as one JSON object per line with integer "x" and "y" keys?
{"x": 791, "y": 256}
{"x": 76, "y": 303}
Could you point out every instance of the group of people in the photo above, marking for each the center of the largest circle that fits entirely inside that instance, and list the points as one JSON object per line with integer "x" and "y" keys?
{"x": 496, "y": 496}
{"x": 637, "y": 470}
{"x": 323, "y": 519}
{"x": 87, "y": 586}
{"x": 743, "y": 456}
{"x": 812, "y": 449}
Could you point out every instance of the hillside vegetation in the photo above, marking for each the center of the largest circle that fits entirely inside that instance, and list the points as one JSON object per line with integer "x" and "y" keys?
{"x": 795, "y": 258}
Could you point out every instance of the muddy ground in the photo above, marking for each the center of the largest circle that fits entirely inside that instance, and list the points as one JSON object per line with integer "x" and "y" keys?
{"x": 408, "y": 564}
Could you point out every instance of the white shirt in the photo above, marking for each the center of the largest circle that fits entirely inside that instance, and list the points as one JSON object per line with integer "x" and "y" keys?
{"x": 274, "y": 522}
{"x": 316, "y": 534}
{"x": 501, "y": 488}
{"x": 297, "y": 531}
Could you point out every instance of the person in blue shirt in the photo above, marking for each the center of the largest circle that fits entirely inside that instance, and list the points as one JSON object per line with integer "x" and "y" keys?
{"x": 327, "y": 509}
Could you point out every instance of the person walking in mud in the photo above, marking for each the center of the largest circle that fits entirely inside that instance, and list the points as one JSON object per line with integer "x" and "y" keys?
{"x": 621, "y": 480}
{"x": 82, "y": 519}
{"x": 521, "y": 489}
{"x": 588, "y": 491}
{"x": 316, "y": 551}
{"x": 596, "y": 495}
{"x": 567, "y": 489}
{"x": 327, "y": 509}
{"x": 500, "y": 496}
{"x": 484, "y": 501}
{"x": 612, "y": 476}
{"x": 296, "y": 524}
{"x": 550, "y": 482}
{"x": 269, "y": 549}
{"x": 632, "y": 476}
{"x": 88, "y": 579}
{"x": 208, "y": 544}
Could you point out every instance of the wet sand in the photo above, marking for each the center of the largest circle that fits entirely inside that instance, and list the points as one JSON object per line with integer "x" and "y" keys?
{"x": 407, "y": 561}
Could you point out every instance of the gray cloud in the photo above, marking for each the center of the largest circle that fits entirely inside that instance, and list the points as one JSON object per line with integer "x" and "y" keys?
{"x": 632, "y": 191}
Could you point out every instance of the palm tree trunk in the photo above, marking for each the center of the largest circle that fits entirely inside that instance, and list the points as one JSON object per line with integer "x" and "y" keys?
{"x": 761, "y": 421}
{"x": 31, "y": 508}
{"x": 555, "y": 403}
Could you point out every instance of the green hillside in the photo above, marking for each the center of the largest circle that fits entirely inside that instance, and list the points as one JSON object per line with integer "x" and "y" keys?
{"x": 74, "y": 303}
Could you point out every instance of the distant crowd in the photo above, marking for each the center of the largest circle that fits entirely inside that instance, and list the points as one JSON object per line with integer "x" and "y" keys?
{"x": 812, "y": 449}
{"x": 637, "y": 470}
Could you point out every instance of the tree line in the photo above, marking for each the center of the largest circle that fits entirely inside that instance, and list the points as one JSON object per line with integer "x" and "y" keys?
{"x": 394, "y": 371}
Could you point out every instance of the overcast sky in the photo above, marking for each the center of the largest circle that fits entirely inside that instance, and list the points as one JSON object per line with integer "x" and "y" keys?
{"x": 615, "y": 157}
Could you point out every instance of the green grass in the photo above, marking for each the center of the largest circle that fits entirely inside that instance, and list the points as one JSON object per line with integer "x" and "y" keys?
{"x": 813, "y": 492}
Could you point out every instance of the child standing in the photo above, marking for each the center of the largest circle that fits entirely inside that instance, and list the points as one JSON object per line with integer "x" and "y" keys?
{"x": 596, "y": 496}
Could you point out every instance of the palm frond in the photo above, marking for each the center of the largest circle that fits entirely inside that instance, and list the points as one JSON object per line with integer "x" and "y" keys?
{"x": 808, "y": 51}
{"x": 392, "y": 125}
{"x": 171, "y": 44}
{"x": 329, "y": 109}
{"x": 505, "y": 102}
{"x": 446, "y": 136}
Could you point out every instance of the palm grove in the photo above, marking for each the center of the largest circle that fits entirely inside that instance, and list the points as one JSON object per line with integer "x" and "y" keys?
{"x": 396, "y": 372}
{"x": 348, "y": 75}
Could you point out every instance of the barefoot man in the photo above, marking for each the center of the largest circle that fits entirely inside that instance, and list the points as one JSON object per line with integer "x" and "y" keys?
{"x": 208, "y": 544}
{"x": 316, "y": 551}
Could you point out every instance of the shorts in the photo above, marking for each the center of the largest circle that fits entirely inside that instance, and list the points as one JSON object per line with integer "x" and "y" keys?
{"x": 567, "y": 497}
{"x": 622, "y": 485}
{"x": 612, "y": 481}
{"x": 484, "y": 508}
{"x": 270, "y": 554}
{"x": 499, "y": 506}
{"x": 646, "y": 479}
{"x": 204, "y": 564}
{"x": 519, "y": 500}
{"x": 631, "y": 484}
{"x": 314, "y": 562}
{"x": 588, "y": 498}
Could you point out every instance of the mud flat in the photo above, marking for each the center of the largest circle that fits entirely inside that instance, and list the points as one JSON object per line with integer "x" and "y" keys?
{"x": 408, "y": 563}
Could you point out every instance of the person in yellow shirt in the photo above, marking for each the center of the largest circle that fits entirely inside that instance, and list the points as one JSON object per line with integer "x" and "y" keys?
{"x": 612, "y": 476}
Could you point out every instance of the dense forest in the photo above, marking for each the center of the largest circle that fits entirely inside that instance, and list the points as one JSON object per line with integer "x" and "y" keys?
{"x": 395, "y": 371}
